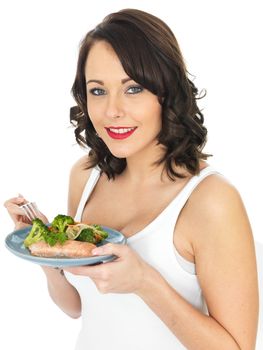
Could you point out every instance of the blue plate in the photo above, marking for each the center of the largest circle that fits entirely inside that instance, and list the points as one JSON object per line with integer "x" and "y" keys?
{"x": 14, "y": 243}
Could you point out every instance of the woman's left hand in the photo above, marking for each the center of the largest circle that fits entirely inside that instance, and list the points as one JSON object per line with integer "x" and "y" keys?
{"x": 126, "y": 274}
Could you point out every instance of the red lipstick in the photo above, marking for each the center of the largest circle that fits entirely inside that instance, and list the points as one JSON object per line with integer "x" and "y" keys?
{"x": 120, "y": 132}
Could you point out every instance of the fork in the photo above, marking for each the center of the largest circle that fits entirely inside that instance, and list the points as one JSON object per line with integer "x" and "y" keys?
{"x": 30, "y": 209}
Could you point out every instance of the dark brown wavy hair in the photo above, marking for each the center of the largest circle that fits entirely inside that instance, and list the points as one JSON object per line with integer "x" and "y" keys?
{"x": 150, "y": 55}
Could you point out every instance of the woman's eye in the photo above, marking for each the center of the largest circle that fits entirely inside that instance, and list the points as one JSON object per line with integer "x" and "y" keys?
{"x": 97, "y": 92}
{"x": 134, "y": 89}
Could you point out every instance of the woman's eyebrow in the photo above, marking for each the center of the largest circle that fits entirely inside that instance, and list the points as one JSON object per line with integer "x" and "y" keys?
{"x": 123, "y": 81}
{"x": 95, "y": 81}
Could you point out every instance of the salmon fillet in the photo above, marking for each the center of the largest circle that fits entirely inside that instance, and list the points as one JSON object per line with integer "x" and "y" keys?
{"x": 69, "y": 249}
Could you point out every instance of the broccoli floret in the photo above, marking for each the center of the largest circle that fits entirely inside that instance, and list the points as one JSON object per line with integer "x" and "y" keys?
{"x": 87, "y": 235}
{"x": 99, "y": 230}
{"x": 37, "y": 233}
{"x": 61, "y": 222}
{"x": 93, "y": 234}
{"x": 53, "y": 237}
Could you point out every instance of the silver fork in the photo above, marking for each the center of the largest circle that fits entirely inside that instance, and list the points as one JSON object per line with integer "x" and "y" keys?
{"x": 30, "y": 210}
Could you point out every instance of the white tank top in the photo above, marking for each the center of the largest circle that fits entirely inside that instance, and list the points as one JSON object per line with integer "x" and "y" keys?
{"x": 124, "y": 321}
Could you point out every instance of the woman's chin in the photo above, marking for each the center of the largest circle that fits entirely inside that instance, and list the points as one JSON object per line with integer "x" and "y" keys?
{"x": 120, "y": 153}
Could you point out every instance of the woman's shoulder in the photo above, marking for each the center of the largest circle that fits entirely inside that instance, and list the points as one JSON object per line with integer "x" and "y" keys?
{"x": 215, "y": 196}
{"x": 215, "y": 212}
{"x": 79, "y": 176}
{"x": 214, "y": 207}
{"x": 213, "y": 220}
{"x": 215, "y": 192}
{"x": 81, "y": 166}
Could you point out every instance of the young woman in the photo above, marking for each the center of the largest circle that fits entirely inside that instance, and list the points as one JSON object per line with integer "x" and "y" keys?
{"x": 187, "y": 277}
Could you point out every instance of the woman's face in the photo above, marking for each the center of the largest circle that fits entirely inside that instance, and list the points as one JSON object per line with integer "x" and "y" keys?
{"x": 126, "y": 116}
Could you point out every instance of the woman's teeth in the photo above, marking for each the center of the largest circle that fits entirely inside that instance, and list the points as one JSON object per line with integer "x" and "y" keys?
{"x": 121, "y": 130}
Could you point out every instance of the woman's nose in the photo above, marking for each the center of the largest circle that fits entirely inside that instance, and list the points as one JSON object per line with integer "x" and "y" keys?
{"x": 114, "y": 107}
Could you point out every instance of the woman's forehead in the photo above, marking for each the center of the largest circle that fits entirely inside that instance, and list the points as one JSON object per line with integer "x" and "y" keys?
{"x": 102, "y": 63}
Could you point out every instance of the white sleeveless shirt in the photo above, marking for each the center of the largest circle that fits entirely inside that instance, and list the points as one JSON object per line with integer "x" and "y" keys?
{"x": 124, "y": 321}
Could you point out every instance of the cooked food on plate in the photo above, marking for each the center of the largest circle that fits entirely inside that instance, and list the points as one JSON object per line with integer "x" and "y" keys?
{"x": 63, "y": 238}
{"x": 70, "y": 249}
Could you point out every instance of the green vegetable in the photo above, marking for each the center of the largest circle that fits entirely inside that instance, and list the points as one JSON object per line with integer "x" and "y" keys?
{"x": 92, "y": 233}
{"x": 86, "y": 235}
{"x": 56, "y": 233}
{"x": 37, "y": 233}
{"x": 53, "y": 237}
{"x": 63, "y": 228}
{"x": 61, "y": 222}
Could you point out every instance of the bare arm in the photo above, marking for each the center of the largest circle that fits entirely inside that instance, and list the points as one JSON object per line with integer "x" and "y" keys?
{"x": 226, "y": 268}
{"x": 61, "y": 291}
{"x": 64, "y": 295}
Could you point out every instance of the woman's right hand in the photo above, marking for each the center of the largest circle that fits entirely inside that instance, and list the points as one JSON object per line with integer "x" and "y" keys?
{"x": 18, "y": 215}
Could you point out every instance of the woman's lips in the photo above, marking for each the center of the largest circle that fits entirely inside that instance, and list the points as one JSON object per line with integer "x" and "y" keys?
{"x": 120, "y": 132}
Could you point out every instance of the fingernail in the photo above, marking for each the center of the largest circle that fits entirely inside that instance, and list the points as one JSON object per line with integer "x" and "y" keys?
{"x": 96, "y": 251}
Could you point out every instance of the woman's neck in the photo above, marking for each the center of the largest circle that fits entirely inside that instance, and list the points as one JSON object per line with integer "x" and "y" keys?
{"x": 143, "y": 168}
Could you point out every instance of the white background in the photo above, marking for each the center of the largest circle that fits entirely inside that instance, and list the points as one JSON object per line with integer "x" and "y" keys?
{"x": 222, "y": 45}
